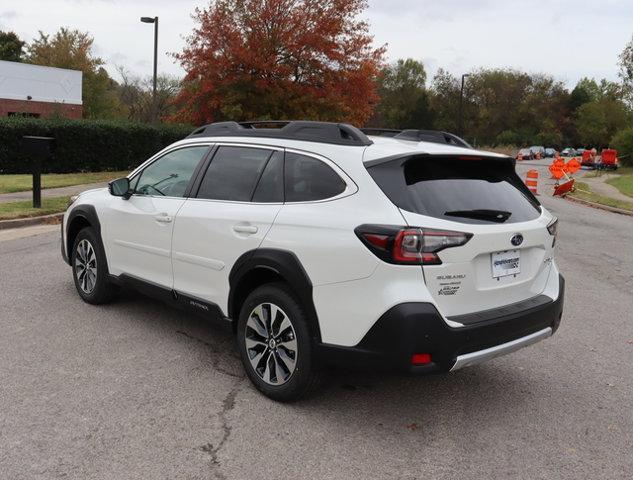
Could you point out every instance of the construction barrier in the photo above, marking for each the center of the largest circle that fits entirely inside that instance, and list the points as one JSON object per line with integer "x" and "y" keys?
{"x": 609, "y": 158}
{"x": 572, "y": 166}
{"x": 557, "y": 168}
{"x": 563, "y": 188}
{"x": 531, "y": 181}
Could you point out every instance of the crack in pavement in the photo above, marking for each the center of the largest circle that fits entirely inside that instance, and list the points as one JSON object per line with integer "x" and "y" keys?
{"x": 217, "y": 352}
{"x": 227, "y": 406}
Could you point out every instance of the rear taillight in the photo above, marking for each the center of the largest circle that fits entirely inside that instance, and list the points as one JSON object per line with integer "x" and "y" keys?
{"x": 411, "y": 246}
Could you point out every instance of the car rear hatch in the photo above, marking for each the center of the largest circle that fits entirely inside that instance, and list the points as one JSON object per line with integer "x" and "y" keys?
{"x": 504, "y": 257}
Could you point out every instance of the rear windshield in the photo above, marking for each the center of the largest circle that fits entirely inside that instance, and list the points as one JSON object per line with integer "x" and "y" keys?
{"x": 467, "y": 191}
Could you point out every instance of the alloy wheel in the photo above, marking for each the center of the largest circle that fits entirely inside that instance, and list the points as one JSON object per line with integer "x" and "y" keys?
{"x": 86, "y": 266}
{"x": 271, "y": 344}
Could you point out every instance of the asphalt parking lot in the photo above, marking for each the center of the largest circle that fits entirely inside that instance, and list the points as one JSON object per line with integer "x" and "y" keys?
{"x": 136, "y": 390}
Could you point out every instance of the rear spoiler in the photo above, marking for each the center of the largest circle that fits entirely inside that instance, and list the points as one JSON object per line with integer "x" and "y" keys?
{"x": 465, "y": 157}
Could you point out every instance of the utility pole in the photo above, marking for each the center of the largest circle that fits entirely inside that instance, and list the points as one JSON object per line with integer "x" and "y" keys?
{"x": 154, "y": 20}
{"x": 460, "y": 122}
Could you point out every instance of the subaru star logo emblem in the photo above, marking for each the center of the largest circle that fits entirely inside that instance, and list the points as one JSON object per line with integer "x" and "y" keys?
{"x": 517, "y": 240}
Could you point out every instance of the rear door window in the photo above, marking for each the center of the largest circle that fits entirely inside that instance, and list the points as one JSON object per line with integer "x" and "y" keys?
{"x": 233, "y": 173}
{"x": 467, "y": 191}
{"x": 308, "y": 179}
{"x": 270, "y": 188}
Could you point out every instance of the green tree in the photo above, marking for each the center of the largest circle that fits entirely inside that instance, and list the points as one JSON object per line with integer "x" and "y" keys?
{"x": 544, "y": 111}
{"x": 444, "y": 101}
{"x": 404, "y": 101}
{"x": 586, "y": 90}
{"x": 626, "y": 69}
{"x": 11, "y": 47}
{"x": 139, "y": 104}
{"x": 72, "y": 49}
{"x": 623, "y": 143}
{"x": 508, "y": 137}
{"x": 599, "y": 120}
{"x": 549, "y": 134}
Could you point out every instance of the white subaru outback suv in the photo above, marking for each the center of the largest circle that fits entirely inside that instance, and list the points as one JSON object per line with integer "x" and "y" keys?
{"x": 319, "y": 245}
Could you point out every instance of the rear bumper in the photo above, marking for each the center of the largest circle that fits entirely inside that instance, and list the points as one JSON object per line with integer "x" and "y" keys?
{"x": 411, "y": 328}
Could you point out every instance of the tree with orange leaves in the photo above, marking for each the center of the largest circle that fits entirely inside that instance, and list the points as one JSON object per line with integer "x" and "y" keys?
{"x": 279, "y": 59}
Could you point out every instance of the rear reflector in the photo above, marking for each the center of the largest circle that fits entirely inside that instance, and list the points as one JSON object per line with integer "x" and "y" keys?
{"x": 420, "y": 359}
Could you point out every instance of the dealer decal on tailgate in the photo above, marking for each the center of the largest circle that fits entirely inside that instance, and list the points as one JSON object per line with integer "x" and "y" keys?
{"x": 449, "y": 284}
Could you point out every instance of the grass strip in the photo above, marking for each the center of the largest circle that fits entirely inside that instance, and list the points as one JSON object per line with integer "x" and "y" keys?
{"x": 583, "y": 192}
{"x": 24, "y": 183}
{"x": 24, "y": 208}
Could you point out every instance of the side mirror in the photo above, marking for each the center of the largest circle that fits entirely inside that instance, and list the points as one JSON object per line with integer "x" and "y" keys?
{"x": 120, "y": 188}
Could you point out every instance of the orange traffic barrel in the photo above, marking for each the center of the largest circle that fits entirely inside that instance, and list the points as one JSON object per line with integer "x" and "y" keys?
{"x": 531, "y": 181}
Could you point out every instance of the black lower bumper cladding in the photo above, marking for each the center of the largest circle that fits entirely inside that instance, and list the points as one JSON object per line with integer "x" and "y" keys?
{"x": 411, "y": 328}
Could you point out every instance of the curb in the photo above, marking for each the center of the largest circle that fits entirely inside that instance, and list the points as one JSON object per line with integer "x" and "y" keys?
{"x": 596, "y": 205}
{"x": 52, "y": 219}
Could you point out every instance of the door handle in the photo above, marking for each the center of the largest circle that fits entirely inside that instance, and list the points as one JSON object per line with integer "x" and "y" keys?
{"x": 163, "y": 218}
{"x": 245, "y": 228}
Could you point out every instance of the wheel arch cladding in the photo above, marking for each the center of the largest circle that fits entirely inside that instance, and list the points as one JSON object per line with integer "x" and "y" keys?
{"x": 80, "y": 217}
{"x": 267, "y": 265}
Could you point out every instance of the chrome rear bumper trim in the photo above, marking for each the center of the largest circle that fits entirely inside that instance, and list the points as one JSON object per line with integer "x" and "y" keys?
{"x": 480, "y": 356}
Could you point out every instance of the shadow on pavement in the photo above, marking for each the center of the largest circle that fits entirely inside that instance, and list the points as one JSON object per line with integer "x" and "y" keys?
{"x": 492, "y": 393}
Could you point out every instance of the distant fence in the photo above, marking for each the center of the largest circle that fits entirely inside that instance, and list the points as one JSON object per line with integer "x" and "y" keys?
{"x": 85, "y": 145}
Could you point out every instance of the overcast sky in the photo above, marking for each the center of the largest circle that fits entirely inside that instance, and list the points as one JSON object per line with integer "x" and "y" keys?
{"x": 566, "y": 38}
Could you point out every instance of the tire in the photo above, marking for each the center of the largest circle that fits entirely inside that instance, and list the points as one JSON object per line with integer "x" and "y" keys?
{"x": 278, "y": 356}
{"x": 92, "y": 283}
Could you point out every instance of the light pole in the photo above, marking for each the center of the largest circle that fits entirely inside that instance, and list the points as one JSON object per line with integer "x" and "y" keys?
{"x": 461, "y": 106}
{"x": 153, "y": 20}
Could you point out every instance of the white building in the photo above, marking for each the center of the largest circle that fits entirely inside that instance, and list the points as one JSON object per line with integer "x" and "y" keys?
{"x": 38, "y": 91}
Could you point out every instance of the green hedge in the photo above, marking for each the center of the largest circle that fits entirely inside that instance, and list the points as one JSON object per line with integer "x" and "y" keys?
{"x": 623, "y": 143}
{"x": 85, "y": 145}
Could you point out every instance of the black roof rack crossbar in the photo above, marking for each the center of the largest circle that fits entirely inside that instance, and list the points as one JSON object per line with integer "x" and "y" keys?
{"x": 323, "y": 132}
{"x": 434, "y": 136}
{"x": 381, "y": 132}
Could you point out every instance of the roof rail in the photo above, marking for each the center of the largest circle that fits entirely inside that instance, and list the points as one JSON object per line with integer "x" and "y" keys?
{"x": 434, "y": 136}
{"x": 323, "y": 132}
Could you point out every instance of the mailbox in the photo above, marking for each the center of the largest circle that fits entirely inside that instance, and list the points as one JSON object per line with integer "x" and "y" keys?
{"x": 37, "y": 149}
{"x": 40, "y": 147}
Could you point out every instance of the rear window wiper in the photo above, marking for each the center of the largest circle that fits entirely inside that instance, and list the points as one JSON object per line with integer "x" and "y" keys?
{"x": 498, "y": 216}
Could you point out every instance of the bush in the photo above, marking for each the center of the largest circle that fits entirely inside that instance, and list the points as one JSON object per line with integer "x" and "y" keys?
{"x": 509, "y": 150}
{"x": 623, "y": 143}
{"x": 508, "y": 137}
{"x": 85, "y": 145}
